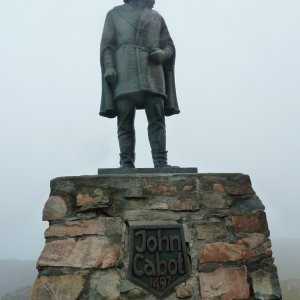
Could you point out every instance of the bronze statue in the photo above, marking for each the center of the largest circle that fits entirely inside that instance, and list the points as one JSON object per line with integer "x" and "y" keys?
{"x": 137, "y": 60}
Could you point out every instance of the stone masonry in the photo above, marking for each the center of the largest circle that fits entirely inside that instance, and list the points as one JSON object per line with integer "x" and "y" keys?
{"x": 225, "y": 228}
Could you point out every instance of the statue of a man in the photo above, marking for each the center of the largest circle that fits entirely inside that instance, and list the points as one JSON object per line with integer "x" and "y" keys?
{"x": 137, "y": 62}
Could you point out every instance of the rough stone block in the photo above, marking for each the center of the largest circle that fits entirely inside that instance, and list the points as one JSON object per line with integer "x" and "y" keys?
{"x": 87, "y": 201}
{"x": 218, "y": 187}
{"x": 146, "y": 215}
{"x": 101, "y": 226}
{"x": 161, "y": 190}
{"x": 183, "y": 205}
{"x": 176, "y": 205}
{"x": 225, "y": 284}
{"x": 63, "y": 184}
{"x": 132, "y": 291}
{"x": 256, "y": 223}
{"x": 232, "y": 184}
{"x": 91, "y": 252}
{"x": 244, "y": 249}
{"x": 184, "y": 292}
{"x": 159, "y": 206}
{"x": 104, "y": 285}
{"x": 55, "y": 208}
{"x": 68, "y": 287}
{"x": 265, "y": 284}
{"x": 249, "y": 205}
{"x": 214, "y": 200}
{"x": 210, "y": 231}
{"x": 243, "y": 189}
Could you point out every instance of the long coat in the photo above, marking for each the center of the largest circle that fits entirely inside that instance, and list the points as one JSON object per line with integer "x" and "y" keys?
{"x": 131, "y": 46}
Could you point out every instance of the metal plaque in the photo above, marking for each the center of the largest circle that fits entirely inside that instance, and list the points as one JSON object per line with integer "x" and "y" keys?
{"x": 157, "y": 257}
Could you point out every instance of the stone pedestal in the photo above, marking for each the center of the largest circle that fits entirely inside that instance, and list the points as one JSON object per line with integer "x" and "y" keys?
{"x": 225, "y": 229}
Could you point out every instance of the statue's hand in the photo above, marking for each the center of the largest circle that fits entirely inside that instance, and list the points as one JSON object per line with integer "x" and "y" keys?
{"x": 157, "y": 56}
{"x": 111, "y": 75}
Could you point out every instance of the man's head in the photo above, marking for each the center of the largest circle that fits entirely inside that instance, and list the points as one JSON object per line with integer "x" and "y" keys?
{"x": 143, "y": 3}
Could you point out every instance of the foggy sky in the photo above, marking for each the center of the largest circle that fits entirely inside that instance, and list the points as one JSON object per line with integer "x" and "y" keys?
{"x": 237, "y": 75}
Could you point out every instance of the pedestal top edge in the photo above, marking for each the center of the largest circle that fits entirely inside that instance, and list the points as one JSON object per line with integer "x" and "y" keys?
{"x": 136, "y": 175}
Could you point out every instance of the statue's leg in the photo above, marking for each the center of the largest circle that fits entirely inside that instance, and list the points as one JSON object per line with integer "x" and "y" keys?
{"x": 154, "y": 107}
{"x": 126, "y": 133}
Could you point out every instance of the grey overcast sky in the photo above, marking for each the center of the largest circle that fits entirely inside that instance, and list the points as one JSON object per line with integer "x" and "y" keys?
{"x": 238, "y": 84}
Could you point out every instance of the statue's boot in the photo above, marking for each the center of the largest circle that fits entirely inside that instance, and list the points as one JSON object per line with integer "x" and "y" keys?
{"x": 127, "y": 160}
{"x": 160, "y": 159}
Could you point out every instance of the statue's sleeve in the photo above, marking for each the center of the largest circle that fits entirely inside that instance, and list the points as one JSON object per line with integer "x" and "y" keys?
{"x": 107, "y": 107}
{"x": 108, "y": 43}
{"x": 166, "y": 42}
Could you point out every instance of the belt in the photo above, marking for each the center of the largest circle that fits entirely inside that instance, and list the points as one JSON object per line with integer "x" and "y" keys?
{"x": 134, "y": 46}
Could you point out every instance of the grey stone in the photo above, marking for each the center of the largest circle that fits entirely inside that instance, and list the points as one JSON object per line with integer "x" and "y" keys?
{"x": 248, "y": 205}
{"x": 131, "y": 290}
{"x": 146, "y": 215}
{"x": 55, "y": 208}
{"x": 210, "y": 232}
{"x": 266, "y": 284}
{"x": 82, "y": 216}
{"x": 126, "y": 285}
{"x": 214, "y": 200}
{"x": 105, "y": 286}
{"x": 63, "y": 184}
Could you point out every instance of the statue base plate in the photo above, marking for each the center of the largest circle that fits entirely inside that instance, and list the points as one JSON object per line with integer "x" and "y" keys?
{"x": 167, "y": 170}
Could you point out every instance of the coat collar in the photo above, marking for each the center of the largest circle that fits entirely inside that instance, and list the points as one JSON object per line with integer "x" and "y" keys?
{"x": 126, "y": 12}
{"x": 146, "y": 19}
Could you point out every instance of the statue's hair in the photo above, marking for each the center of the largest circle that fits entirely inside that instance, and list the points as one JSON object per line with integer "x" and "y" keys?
{"x": 125, "y": 1}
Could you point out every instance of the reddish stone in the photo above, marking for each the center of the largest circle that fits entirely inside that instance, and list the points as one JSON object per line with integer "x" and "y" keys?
{"x": 244, "y": 249}
{"x": 86, "y": 199}
{"x": 90, "y": 252}
{"x": 256, "y": 223}
{"x": 58, "y": 287}
{"x": 164, "y": 190}
{"x": 244, "y": 189}
{"x": 55, "y": 208}
{"x": 225, "y": 284}
{"x": 179, "y": 205}
{"x": 100, "y": 226}
{"x": 218, "y": 187}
